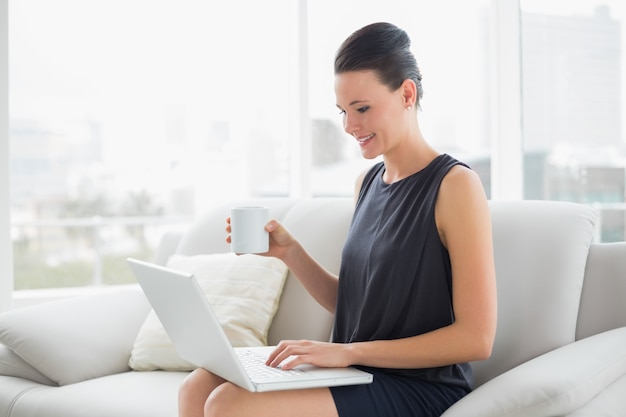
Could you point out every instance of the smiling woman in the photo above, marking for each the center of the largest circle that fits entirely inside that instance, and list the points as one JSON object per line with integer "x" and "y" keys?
{"x": 415, "y": 299}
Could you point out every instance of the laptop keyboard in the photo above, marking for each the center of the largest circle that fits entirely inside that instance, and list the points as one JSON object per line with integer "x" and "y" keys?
{"x": 254, "y": 364}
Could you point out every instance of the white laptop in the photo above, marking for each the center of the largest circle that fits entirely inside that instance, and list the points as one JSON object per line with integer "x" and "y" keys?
{"x": 189, "y": 320}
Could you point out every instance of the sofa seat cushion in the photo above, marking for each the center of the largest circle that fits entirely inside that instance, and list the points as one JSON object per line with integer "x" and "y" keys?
{"x": 244, "y": 292}
{"x": 76, "y": 339}
{"x": 128, "y": 394}
{"x": 11, "y": 389}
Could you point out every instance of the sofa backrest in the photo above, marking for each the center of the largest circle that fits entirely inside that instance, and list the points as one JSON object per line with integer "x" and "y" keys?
{"x": 540, "y": 250}
{"x": 602, "y": 306}
{"x": 321, "y": 226}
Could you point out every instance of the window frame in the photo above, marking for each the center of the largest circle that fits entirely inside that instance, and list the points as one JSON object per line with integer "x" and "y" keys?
{"x": 6, "y": 245}
{"x": 507, "y": 148}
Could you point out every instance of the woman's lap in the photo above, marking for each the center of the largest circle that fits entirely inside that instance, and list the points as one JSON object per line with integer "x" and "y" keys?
{"x": 390, "y": 395}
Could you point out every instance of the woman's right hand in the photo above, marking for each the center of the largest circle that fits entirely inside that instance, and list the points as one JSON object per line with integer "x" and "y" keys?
{"x": 280, "y": 239}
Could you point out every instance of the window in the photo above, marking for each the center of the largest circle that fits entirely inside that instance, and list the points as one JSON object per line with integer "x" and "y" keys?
{"x": 573, "y": 106}
{"x": 128, "y": 117}
{"x": 124, "y": 125}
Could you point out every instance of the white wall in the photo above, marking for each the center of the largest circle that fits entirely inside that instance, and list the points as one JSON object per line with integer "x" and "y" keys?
{"x": 6, "y": 250}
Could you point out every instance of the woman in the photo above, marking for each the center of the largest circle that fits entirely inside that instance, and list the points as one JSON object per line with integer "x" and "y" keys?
{"x": 415, "y": 299}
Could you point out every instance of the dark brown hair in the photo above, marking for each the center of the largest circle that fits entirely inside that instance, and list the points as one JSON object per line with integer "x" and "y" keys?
{"x": 383, "y": 48}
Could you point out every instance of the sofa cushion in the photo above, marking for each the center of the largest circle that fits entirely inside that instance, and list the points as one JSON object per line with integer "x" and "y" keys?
{"x": 12, "y": 389}
{"x": 128, "y": 394}
{"x": 78, "y": 338}
{"x": 540, "y": 250}
{"x": 602, "y": 304}
{"x": 244, "y": 292}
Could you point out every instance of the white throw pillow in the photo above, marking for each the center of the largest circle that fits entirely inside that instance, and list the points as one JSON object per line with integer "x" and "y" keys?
{"x": 553, "y": 384}
{"x": 244, "y": 292}
{"x": 78, "y": 338}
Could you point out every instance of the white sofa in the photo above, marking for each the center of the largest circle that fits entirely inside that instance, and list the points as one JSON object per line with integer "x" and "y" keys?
{"x": 560, "y": 348}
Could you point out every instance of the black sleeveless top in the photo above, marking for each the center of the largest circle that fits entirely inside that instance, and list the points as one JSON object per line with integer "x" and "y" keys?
{"x": 395, "y": 279}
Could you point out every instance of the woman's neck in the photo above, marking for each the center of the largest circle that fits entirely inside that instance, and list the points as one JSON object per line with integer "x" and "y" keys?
{"x": 412, "y": 156}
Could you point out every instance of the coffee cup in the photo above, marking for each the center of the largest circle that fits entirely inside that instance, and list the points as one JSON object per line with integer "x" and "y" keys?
{"x": 247, "y": 229}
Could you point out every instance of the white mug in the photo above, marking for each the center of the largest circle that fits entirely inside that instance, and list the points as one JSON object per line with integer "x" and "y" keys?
{"x": 247, "y": 229}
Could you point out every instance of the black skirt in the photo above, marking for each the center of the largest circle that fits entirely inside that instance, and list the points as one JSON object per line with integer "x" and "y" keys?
{"x": 395, "y": 396}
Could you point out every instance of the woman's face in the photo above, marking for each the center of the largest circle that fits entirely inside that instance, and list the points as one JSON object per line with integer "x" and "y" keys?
{"x": 372, "y": 114}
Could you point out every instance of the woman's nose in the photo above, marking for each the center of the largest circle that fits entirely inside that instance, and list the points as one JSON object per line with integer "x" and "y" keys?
{"x": 349, "y": 125}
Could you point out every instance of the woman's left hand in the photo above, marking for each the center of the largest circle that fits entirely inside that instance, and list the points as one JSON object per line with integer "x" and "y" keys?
{"x": 291, "y": 353}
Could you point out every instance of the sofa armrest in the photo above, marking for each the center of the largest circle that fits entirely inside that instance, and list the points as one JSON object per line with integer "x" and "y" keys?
{"x": 555, "y": 383}
{"x": 78, "y": 338}
{"x": 12, "y": 365}
{"x": 602, "y": 299}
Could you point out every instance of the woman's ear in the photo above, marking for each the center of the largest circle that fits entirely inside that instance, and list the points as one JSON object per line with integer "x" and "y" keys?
{"x": 409, "y": 93}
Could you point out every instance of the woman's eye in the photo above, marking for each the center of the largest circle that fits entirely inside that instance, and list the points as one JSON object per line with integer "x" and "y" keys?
{"x": 360, "y": 110}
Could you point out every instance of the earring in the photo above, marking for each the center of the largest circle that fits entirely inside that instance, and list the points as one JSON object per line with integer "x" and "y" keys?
{"x": 409, "y": 107}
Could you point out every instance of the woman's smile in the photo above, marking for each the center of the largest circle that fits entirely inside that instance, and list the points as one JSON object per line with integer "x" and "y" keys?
{"x": 364, "y": 140}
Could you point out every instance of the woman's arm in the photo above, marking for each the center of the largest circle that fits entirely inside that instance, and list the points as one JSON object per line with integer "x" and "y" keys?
{"x": 464, "y": 222}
